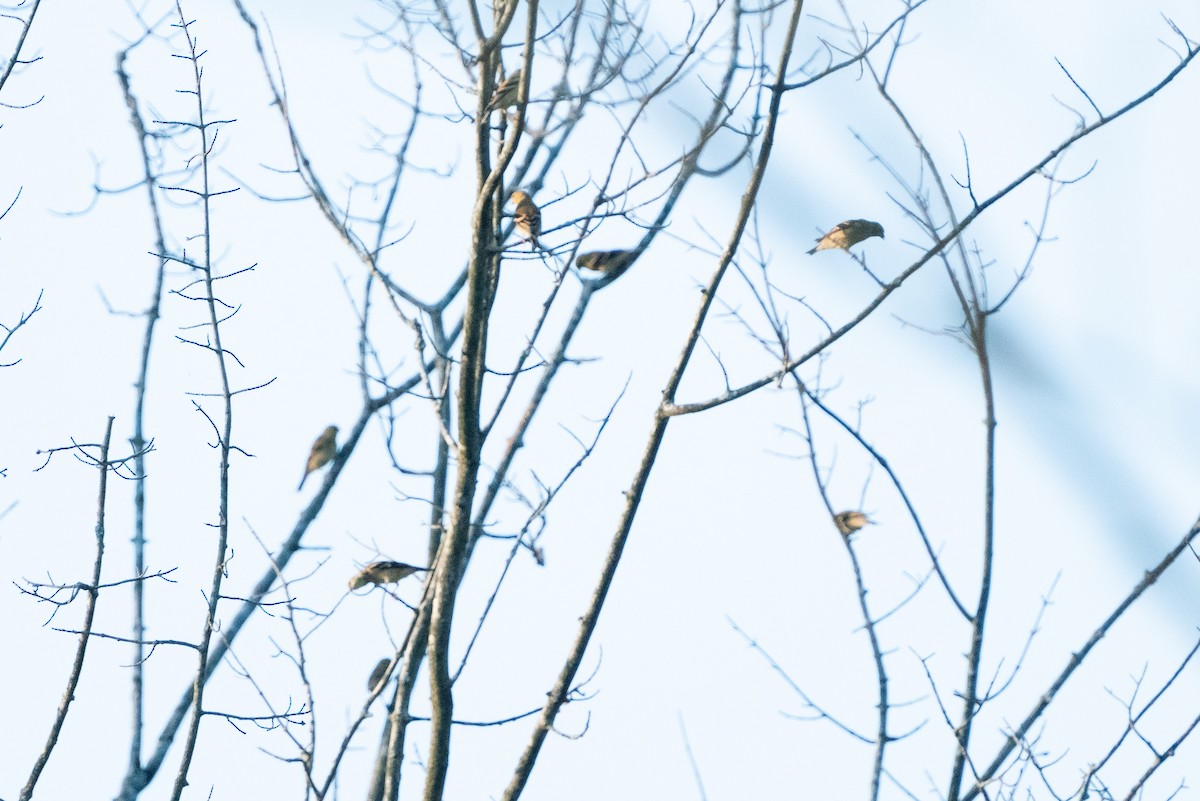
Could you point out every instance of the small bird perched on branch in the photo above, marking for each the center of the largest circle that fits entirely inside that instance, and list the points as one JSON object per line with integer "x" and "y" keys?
{"x": 378, "y": 673}
{"x": 527, "y": 218}
{"x": 323, "y": 450}
{"x": 606, "y": 261}
{"x": 849, "y": 522}
{"x": 384, "y": 573}
{"x": 848, "y": 233}
{"x": 506, "y": 93}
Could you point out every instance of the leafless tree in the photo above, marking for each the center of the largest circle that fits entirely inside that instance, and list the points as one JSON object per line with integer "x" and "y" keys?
{"x": 563, "y": 101}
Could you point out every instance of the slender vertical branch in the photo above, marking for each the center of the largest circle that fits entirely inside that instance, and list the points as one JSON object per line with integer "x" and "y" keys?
{"x": 226, "y": 431}
{"x": 89, "y": 615}
{"x": 882, "y": 738}
{"x": 970, "y": 695}
{"x": 483, "y": 272}
{"x": 138, "y": 440}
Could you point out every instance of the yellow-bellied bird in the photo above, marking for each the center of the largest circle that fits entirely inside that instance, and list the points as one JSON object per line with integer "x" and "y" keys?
{"x": 527, "y": 218}
{"x": 849, "y": 522}
{"x": 323, "y": 450}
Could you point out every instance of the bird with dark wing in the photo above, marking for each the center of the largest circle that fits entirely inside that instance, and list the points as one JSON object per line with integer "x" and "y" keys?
{"x": 378, "y": 674}
{"x": 527, "y": 218}
{"x": 385, "y": 572}
{"x": 506, "y": 93}
{"x": 323, "y": 451}
{"x": 848, "y": 233}
{"x": 849, "y": 522}
{"x": 606, "y": 261}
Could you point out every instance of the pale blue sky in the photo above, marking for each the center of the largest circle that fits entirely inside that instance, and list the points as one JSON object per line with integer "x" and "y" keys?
{"x": 1097, "y": 391}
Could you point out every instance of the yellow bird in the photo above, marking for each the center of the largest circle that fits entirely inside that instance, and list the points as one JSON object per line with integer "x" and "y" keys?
{"x": 848, "y": 233}
{"x": 506, "y": 93}
{"x": 527, "y": 218}
{"x": 606, "y": 261}
{"x": 384, "y": 573}
{"x": 323, "y": 450}
{"x": 849, "y": 522}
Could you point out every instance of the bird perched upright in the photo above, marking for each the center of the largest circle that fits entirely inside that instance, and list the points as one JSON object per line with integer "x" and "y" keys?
{"x": 606, "y": 261}
{"x": 386, "y": 572}
{"x": 848, "y": 233}
{"x": 849, "y": 522}
{"x": 378, "y": 674}
{"x": 506, "y": 93}
{"x": 527, "y": 218}
{"x": 323, "y": 450}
